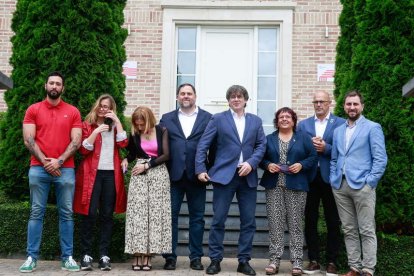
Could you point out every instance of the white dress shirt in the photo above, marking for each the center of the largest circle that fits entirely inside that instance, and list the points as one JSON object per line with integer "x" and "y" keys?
{"x": 320, "y": 125}
{"x": 240, "y": 125}
{"x": 187, "y": 121}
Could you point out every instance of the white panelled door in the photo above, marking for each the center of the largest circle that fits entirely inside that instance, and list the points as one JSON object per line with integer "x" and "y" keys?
{"x": 226, "y": 58}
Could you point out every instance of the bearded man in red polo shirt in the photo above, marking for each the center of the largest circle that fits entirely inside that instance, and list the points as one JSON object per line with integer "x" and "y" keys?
{"x": 52, "y": 133}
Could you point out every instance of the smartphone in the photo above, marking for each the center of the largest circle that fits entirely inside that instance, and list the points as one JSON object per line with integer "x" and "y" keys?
{"x": 108, "y": 121}
{"x": 284, "y": 168}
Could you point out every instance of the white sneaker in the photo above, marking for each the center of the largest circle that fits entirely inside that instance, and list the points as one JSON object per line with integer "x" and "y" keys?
{"x": 70, "y": 265}
{"x": 86, "y": 263}
{"x": 28, "y": 266}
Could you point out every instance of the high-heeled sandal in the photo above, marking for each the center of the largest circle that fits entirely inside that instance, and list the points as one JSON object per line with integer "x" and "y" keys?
{"x": 272, "y": 269}
{"x": 145, "y": 265}
{"x": 296, "y": 271}
{"x": 137, "y": 266}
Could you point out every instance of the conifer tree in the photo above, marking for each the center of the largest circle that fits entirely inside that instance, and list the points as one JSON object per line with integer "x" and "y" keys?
{"x": 375, "y": 55}
{"x": 83, "y": 39}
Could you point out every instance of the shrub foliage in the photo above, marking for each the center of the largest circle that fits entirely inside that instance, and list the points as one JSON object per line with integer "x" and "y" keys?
{"x": 375, "y": 55}
{"x": 81, "y": 38}
{"x": 14, "y": 225}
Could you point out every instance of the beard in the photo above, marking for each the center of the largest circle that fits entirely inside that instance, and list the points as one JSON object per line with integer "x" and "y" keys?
{"x": 187, "y": 104}
{"x": 353, "y": 117}
{"x": 54, "y": 94}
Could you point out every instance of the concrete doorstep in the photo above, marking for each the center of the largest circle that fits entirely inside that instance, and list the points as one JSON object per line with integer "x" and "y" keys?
{"x": 228, "y": 268}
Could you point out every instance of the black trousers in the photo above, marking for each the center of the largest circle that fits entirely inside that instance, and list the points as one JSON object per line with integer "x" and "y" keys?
{"x": 319, "y": 190}
{"x": 102, "y": 199}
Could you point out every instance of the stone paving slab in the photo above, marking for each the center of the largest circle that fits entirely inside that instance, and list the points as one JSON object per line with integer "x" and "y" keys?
{"x": 228, "y": 268}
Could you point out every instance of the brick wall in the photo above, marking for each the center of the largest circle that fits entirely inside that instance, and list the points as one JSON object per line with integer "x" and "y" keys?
{"x": 7, "y": 8}
{"x": 144, "y": 20}
{"x": 311, "y": 47}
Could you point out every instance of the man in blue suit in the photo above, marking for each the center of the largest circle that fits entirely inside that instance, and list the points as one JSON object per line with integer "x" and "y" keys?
{"x": 358, "y": 162}
{"x": 185, "y": 127}
{"x": 240, "y": 145}
{"x": 320, "y": 127}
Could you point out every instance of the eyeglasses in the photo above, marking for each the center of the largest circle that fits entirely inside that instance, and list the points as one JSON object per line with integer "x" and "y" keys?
{"x": 104, "y": 107}
{"x": 319, "y": 102}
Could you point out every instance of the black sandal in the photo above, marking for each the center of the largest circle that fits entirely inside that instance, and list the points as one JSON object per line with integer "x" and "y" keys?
{"x": 137, "y": 266}
{"x": 145, "y": 265}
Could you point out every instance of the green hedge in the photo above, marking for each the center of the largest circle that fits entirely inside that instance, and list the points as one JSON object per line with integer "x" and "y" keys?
{"x": 13, "y": 233}
{"x": 395, "y": 254}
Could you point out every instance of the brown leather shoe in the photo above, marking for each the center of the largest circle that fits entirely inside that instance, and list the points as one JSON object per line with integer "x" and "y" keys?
{"x": 331, "y": 270}
{"x": 312, "y": 268}
{"x": 351, "y": 273}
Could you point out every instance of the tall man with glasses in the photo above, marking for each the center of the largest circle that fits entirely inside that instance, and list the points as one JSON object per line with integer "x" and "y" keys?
{"x": 358, "y": 163}
{"x": 52, "y": 131}
{"x": 185, "y": 127}
{"x": 320, "y": 127}
{"x": 240, "y": 146}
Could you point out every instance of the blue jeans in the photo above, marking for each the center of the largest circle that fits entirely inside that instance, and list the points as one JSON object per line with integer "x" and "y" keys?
{"x": 39, "y": 183}
{"x": 196, "y": 199}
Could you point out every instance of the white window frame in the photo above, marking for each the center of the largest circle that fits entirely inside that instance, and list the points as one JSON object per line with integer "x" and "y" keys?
{"x": 251, "y": 13}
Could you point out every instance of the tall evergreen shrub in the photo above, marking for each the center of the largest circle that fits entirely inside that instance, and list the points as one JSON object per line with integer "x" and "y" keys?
{"x": 375, "y": 55}
{"x": 81, "y": 38}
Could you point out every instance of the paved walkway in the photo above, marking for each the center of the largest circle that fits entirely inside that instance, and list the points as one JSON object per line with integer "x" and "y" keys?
{"x": 228, "y": 268}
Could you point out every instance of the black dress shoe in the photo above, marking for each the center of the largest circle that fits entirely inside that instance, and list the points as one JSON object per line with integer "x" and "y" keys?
{"x": 214, "y": 267}
{"x": 169, "y": 264}
{"x": 196, "y": 264}
{"x": 246, "y": 269}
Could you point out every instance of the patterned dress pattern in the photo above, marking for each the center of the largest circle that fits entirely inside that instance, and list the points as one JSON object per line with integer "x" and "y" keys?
{"x": 282, "y": 204}
{"x": 148, "y": 217}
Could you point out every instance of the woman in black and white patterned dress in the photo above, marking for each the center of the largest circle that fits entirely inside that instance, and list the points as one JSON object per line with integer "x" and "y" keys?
{"x": 289, "y": 159}
{"x": 148, "y": 215}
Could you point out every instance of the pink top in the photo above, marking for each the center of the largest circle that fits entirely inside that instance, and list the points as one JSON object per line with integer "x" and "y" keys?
{"x": 150, "y": 147}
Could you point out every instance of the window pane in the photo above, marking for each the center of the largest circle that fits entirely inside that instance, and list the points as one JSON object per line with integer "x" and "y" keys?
{"x": 185, "y": 79}
{"x": 266, "y": 111}
{"x": 268, "y": 129}
{"x": 186, "y": 63}
{"x": 267, "y": 64}
{"x": 186, "y": 38}
{"x": 266, "y": 88}
{"x": 267, "y": 40}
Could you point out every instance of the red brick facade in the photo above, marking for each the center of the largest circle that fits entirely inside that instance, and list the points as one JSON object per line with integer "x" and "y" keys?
{"x": 312, "y": 21}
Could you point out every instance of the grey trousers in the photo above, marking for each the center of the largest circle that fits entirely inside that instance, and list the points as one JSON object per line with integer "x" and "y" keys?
{"x": 356, "y": 209}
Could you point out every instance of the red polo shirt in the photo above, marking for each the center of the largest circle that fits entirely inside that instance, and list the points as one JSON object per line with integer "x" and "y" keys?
{"x": 53, "y": 128}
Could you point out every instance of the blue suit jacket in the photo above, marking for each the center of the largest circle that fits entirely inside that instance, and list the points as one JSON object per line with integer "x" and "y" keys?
{"x": 183, "y": 150}
{"x": 365, "y": 157}
{"x": 222, "y": 131}
{"x": 324, "y": 158}
{"x": 301, "y": 150}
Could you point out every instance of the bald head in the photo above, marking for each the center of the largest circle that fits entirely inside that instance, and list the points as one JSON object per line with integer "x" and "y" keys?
{"x": 321, "y": 103}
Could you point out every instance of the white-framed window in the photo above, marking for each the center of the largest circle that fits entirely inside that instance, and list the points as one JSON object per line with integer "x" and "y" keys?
{"x": 186, "y": 35}
{"x": 265, "y": 59}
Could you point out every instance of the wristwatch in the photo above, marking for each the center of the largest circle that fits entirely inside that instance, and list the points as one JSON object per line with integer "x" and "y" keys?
{"x": 60, "y": 161}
